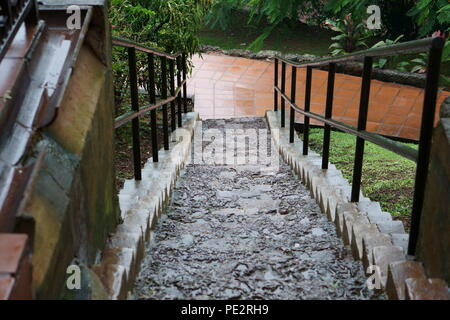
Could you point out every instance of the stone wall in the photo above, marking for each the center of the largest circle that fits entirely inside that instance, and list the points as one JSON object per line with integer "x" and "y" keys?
{"x": 74, "y": 202}
{"x": 433, "y": 247}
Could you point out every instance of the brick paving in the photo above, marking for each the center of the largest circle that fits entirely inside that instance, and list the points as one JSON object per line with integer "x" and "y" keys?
{"x": 227, "y": 87}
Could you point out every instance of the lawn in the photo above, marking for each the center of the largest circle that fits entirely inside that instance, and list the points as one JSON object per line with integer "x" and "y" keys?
{"x": 299, "y": 38}
{"x": 387, "y": 178}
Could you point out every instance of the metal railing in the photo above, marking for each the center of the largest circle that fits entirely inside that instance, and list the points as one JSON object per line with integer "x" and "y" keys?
{"x": 12, "y": 14}
{"x": 434, "y": 46}
{"x": 168, "y": 94}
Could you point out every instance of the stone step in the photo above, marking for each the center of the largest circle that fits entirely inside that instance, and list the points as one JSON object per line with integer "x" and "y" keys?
{"x": 398, "y": 272}
{"x": 123, "y": 239}
{"x": 353, "y": 220}
{"x": 370, "y": 240}
{"x": 383, "y": 256}
{"x": 327, "y": 178}
{"x": 137, "y": 221}
{"x": 6, "y": 287}
{"x": 379, "y": 217}
{"x": 360, "y": 229}
{"x": 331, "y": 197}
{"x": 261, "y": 206}
{"x": 126, "y": 202}
{"x": 114, "y": 279}
{"x": 369, "y": 207}
{"x": 341, "y": 208}
{"x": 400, "y": 240}
{"x": 15, "y": 267}
{"x": 426, "y": 289}
{"x": 390, "y": 227}
{"x": 125, "y": 257}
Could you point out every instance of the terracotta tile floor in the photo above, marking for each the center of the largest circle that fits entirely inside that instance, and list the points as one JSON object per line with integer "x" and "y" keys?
{"x": 227, "y": 87}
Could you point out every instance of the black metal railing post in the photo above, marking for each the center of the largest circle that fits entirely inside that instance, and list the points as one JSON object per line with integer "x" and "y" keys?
{"x": 426, "y": 132}
{"x": 12, "y": 14}
{"x": 7, "y": 9}
{"x": 33, "y": 16}
{"x": 275, "y": 94}
{"x": 362, "y": 123}
{"x": 184, "y": 63}
{"x": 283, "y": 91}
{"x": 152, "y": 96}
{"x": 5, "y": 20}
{"x": 422, "y": 156}
{"x": 135, "y": 107}
{"x": 292, "y": 114}
{"x": 328, "y": 115}
{"x": 307, "y": 109}
{"x": 164, "y": 96}
{"x": 173, "y": 114}
{"x": 179, "y": 69}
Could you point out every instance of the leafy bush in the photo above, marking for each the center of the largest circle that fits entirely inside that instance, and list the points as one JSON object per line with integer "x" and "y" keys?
{"x": 431, "y": 15}
{"x": 169, "y": 25}
{"x": 394, "y": 20}
{"x": 382, "y": 62}
{"x": 420, "y": 64}
{"x": 275, "y": 13}
{"x": 351, "y": 35}
{"x": 220, "y": 15}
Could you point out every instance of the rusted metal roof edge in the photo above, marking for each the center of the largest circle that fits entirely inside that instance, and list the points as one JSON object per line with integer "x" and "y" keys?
{"x": 26, "y": 187}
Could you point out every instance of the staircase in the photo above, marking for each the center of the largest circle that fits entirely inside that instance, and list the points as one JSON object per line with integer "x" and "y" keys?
{"x": 226, "y": 208}
{"x": 241, "y": 225}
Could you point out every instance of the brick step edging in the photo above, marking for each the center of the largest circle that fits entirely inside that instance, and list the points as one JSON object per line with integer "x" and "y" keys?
{"x": 374, "y": 238}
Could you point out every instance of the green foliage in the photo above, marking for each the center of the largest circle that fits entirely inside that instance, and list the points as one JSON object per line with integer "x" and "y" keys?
{"x": 220, "y": 15}
{"x": 351, "y": 35}
{"x": 277, "y": 11}
{"x": 382, "y": 62}
{"x": 301, "y": 38}
{"x": 420, "y": 64}
{"x": 341, "y": 7}
{"x": 258, "y": 44}
{"x": 431, "y": 15}
{"x": 274, "y": 12}
{"x": 169, "y": 25}
{"x": 394, "y": 20}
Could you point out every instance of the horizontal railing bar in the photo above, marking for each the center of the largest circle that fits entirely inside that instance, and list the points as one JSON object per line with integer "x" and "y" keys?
{"x": 127, "y": 117}
{"x": 120, "y": 42}
{"x": 399, "y": 48}
{"x": 14, "y": 28}
{"x": 377, "y": 139}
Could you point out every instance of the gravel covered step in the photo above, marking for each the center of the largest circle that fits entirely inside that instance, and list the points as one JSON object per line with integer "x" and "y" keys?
{"x": 246, "y": 231}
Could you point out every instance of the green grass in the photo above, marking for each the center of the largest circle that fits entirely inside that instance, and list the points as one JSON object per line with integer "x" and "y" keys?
{"x": 299, "y": 38}
{"x": 387, "y": 177}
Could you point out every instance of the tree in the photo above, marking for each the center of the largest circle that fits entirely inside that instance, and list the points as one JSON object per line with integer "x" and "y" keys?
{"x": 169, "y": 25}
{"x": 431, "y": 15}
{"x": 395, "y": 21}
{"x": 275, "y": 12}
